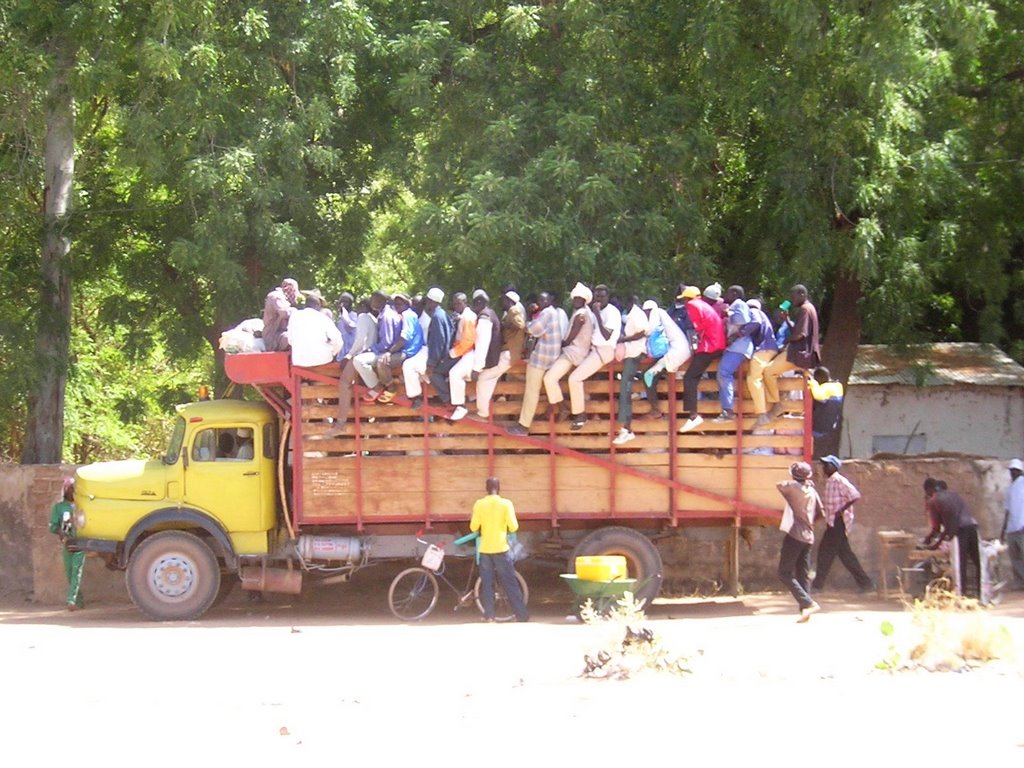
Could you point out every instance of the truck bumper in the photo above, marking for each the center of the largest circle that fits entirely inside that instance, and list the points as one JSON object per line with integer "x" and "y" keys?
{"x": 101, "y": 546}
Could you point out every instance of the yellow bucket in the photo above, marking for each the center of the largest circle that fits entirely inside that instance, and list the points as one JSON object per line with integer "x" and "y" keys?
{"x": 601, "y": 567}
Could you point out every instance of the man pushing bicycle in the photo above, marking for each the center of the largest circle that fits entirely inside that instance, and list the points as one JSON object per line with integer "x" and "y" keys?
{"x": 494, "y": 517}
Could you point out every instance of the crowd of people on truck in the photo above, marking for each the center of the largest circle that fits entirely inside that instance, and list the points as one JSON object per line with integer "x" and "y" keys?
{"x": 415, "y": 338}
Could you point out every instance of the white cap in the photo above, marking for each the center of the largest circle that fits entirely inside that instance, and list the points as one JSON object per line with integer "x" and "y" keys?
{"x": 435, "y": 294}
{"x": 755, "y": 303}
{"x": 1017, "y": 464}
{"x": 480, "y": 293}
{"x": 649, "y": 304}
{"x": 513, "y": 296}
{"x": 713, "y": 292}
{"x": 580, "y": 291}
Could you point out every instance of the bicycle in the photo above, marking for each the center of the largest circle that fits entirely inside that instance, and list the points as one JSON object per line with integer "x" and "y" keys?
{"x": 413, "y": 593}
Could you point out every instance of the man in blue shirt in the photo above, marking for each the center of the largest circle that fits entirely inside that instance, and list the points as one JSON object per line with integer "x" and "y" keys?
{"x": 408, "y": 343}
{"x": 740, "y": 328}
{"x": 765, "y": 349}
{"x": 438, "y": 341}
{"x": 389, "y": 330}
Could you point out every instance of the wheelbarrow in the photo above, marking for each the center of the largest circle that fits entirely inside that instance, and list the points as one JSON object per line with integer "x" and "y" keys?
{"x": 603, "y": 594}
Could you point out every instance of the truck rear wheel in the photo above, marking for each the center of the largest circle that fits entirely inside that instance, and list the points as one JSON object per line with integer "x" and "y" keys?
{"x": 643, "y": 561}
{"x": 173, "y": 576}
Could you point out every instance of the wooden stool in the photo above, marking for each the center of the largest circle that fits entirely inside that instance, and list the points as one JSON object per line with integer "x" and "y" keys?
{"x": 899, "y": 543}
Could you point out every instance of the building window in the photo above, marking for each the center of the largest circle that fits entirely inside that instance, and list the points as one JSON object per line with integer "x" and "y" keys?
{"x": 901, "y": 444}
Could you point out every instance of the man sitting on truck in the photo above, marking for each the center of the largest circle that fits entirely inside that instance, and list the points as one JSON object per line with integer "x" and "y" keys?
{"x": 513, "y": 330}
{"x": 389, "y": 331}
{"x": 670, "y": 352}
{"x": 277, "y": 308}
{"x": 315, "y": 339}
{"x": 465, "y": 341}
{"x": 710, "y": 329}
{"x": 408, "y": 343}
{"x": 607, "y": 329}
{"x": 485, "y": 353}
{"x": 366, "y": 337}
{"x": 547, "y": 333}
{"x": 438, "y": 338}
{"x": 575, "y": 347}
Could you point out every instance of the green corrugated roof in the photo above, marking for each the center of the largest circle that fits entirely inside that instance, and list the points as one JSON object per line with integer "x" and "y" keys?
{"x": 935, "y": 365}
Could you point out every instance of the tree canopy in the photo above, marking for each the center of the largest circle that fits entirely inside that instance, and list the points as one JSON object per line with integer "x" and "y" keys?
{"x": 872, "y": 150}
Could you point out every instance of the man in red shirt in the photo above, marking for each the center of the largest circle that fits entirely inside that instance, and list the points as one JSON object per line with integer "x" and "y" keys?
{"x": 710, "y": 329}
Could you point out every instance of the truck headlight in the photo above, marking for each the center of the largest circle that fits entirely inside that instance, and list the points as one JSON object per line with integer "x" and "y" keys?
{"x": 79, "y": 520}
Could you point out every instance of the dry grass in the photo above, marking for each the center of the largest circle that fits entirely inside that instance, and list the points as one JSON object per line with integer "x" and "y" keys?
{"x": 625, "y": 647}
{"x": 955, "y": 632}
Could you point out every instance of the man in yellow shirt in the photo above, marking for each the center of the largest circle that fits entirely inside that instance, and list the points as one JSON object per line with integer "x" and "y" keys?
{"x": 494, "y": 518}
{"x": 828, "y": 401}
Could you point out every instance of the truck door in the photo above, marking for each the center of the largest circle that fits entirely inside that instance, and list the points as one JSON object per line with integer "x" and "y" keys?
{"x": 224, "y": 476}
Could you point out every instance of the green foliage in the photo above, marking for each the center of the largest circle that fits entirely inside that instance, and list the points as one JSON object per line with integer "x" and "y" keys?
{"x": 224, "y": 144}
{"x": 892, "y": 659}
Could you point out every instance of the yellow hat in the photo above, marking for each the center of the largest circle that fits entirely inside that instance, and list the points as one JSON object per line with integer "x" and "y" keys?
{"x": 689, "y": 292}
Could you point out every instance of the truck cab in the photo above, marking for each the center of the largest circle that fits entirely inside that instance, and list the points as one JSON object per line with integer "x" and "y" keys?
{"x": 175, "y": 522}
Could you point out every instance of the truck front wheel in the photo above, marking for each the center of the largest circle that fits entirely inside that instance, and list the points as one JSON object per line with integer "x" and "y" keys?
{"x": 173, "y": 576}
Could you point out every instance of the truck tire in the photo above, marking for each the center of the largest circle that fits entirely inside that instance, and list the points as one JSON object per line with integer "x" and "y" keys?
{"x": 173, "y": 576}
{"x": 643, "y": 561}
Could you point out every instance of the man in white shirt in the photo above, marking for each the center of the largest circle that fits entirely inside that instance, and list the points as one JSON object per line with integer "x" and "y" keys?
{"x": 513, "y": 331}
{"x": 315, "y": 339}
{"x": 670, "y": 358}
{"x": 575, "y": 347}
{"x": 635, "y": 329}
{"x": 465, "y": 340}
{"x": 607, "y": 329}
{"x": 488, "y": 340}
{"x": 1013, "y": 523}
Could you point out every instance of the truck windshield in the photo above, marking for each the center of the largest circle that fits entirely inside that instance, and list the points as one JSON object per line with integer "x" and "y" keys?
{"x": 177, "y": 438}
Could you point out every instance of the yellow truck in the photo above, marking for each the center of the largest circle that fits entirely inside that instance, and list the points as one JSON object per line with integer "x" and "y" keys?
{"x": 256, "y": 492}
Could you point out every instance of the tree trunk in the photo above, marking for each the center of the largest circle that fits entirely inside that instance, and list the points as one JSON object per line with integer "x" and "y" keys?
{"x": 44, "y": 433}
{"x": 839, "y": 349}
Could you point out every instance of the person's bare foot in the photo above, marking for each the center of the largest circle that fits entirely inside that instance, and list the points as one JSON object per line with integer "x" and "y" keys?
{"x": 805, "y": 613}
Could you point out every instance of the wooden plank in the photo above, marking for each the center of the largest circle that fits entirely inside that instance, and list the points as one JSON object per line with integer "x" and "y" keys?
{"x": 394, "y": 467}
{"x": 590, "y": 443}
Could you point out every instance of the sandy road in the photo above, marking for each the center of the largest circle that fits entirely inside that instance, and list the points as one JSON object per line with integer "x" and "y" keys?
{"x": 333, "y": 679}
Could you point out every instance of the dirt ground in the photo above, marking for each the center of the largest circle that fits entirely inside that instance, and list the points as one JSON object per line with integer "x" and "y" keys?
{"x": 332, "y": 677}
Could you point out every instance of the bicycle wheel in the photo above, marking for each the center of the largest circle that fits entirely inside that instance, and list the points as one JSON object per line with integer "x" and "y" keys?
{"x": 502, "y": 607}
{"x": 413, "y": 594}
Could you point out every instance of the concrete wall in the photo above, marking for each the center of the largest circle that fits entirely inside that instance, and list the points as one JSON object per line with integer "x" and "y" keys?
{"x": 696, "y": 559}
{"x": 30, "y": 556}
{"x": 977, "y": 421}
{"x": 893, "y": 499}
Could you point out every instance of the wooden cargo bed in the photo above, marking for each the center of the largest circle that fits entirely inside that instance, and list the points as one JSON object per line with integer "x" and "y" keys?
{"x": 400, "y": 465}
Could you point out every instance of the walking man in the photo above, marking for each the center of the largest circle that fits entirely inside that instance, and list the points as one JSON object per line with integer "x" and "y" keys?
{"x": 840, "y": 496}
{"x": 494, "y": 517}
{"x": 1013, "y": 522}
{"x": 803, "y": 507}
